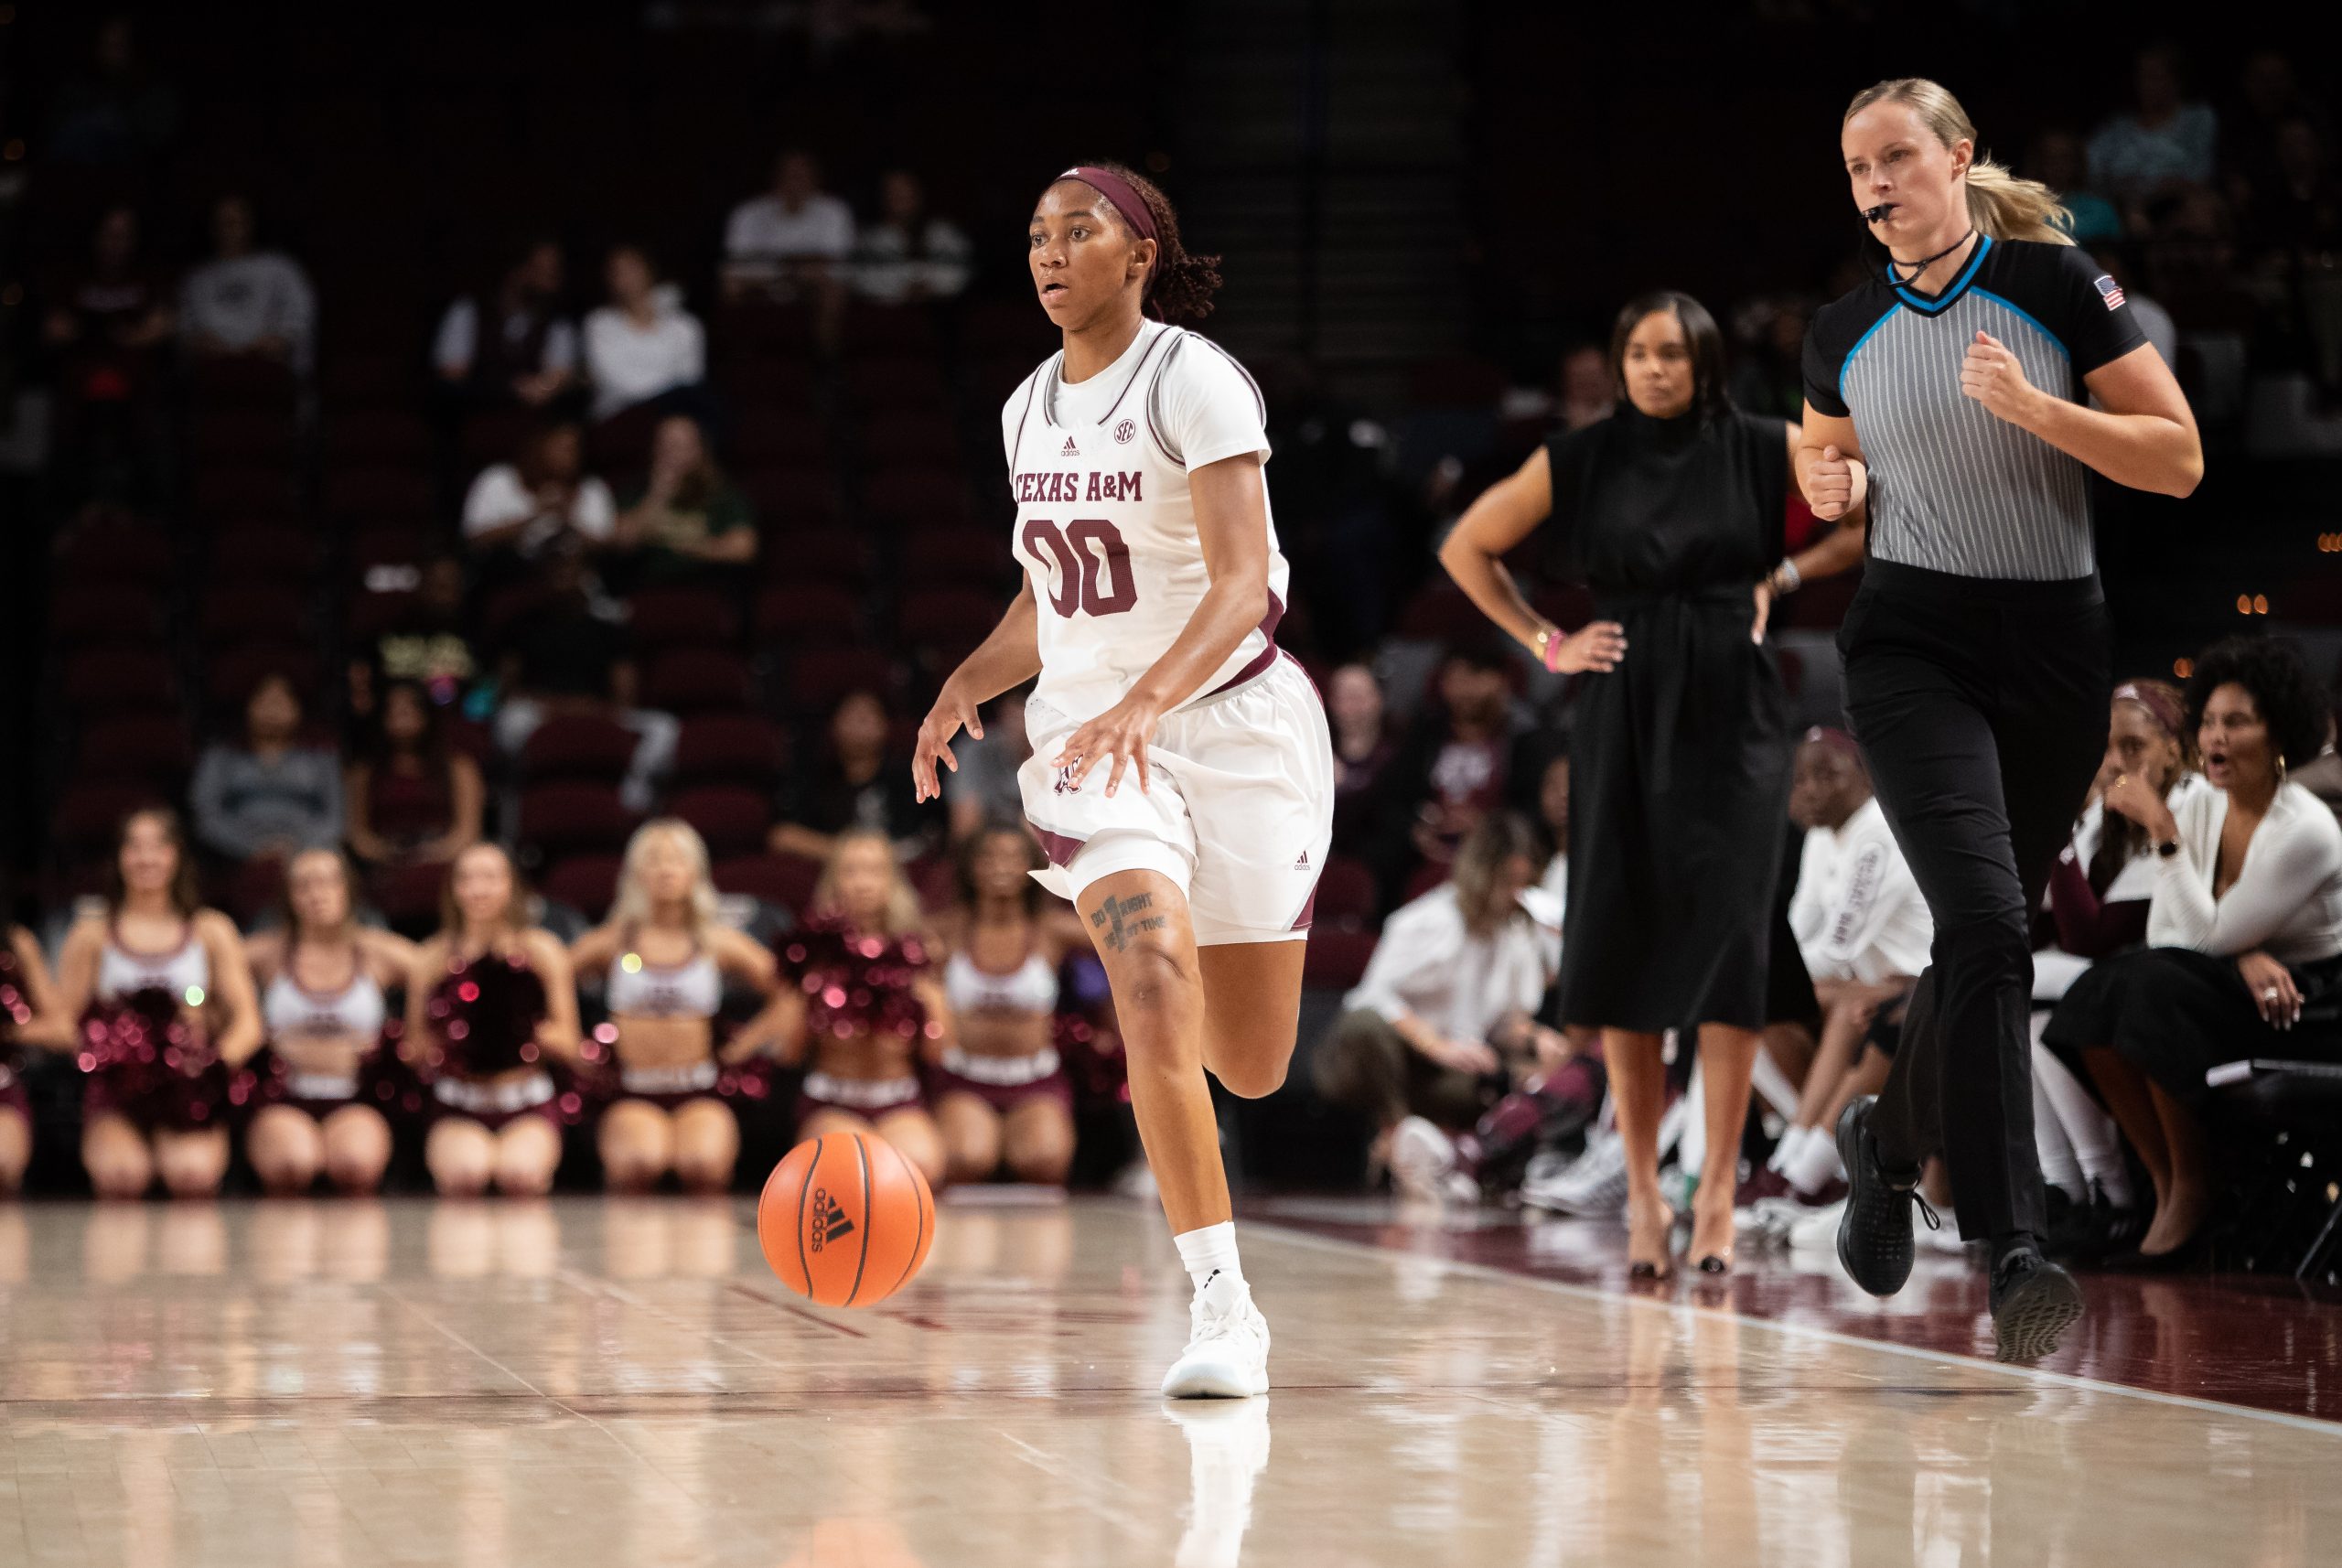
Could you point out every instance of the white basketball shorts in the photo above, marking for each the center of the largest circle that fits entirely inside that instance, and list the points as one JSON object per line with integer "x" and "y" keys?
{"x": 1239, "y": 810}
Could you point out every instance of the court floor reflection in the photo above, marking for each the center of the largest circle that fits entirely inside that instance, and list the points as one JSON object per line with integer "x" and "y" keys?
{"x": 580, "y": 1383}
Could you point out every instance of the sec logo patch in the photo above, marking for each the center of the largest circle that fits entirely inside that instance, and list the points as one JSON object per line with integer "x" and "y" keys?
{"x": 1126, "y": 431}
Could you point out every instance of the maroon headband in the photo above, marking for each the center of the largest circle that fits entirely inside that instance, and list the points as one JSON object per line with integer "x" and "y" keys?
{"x": 2158, "y": 704}
{"x": 1120, "y": 192}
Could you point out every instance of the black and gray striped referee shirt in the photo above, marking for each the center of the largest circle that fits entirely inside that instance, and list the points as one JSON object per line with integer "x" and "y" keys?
{"x": 1953, "y": 487}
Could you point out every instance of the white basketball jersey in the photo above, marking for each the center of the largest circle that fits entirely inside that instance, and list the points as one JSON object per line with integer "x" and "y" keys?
{"x": 1105, "y": 525}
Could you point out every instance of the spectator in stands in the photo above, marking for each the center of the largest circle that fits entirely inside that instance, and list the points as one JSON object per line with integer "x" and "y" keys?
{"x": 1864, "y": 933}
{"x": 790, "y": 241}
{"x": 983, "y": 792}
{"x": 565, "y": 657}
{"x": 430, "y": 644}
{"x": 542, "y": 499}
{"x": 2269, "y": 100}
{"x": 862, "y": 783}
{"x": 1452, "y": 770}
{"x": 2058, "y": 160}
{"x": 2245, "y": 926}
{"x": 494, "y": 1120}
{"x": 270, "y": 794}
{"x": 323, "y": 978}
{"x": 2098, "y": 901}
{"x": 643, "y": 345}
{"x": 687, "y": 518}
{"x": 1589, "y": 395}
{"x": 30, "y": 1017}
{"x": 2165, "y": 140}
{"x": 528, "y": 353}
{"x": 1768, "y": 372}
{"x": 153, "y": 954}
{"x": 870, "y": 1011}
{"x": 664, "y": 961}
{"x": 411, "y": 797}
{"x": 910, "y": 254}
{"x": 247, "y": 300}
{"x": 1003, "y": 1099}
{"x": 1448, "y": 1000}
{"x": 120, "y": 112}
{"x": 109, "y": 325}
{"x": 1363, "y": 747}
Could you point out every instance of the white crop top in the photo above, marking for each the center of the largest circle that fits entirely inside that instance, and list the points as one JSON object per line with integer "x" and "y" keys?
{"x": 637, "y": 988}
{"x": 121, "y": 971}
{"x": 290, "y": 1008}
{"x": 1030, "y": 987}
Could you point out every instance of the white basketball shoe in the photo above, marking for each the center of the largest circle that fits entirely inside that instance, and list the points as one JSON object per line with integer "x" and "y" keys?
{"x": 1228, "y": 1346}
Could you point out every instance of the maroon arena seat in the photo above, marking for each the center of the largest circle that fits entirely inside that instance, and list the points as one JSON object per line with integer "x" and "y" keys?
{"x": 362, "y": 496}
{"x": 123, "y": 614}
{"x": 579, "y": 746}
{"x": 409, "y": 895}
{"x": 621, "y": 443}
{"x": 898, "y": 329}
{"x": 113, "y": 679}
{"x": 681, "y": 617}
{"x": 367, "y": 614}
{"x": 255, "y": 553}
{"x": 771, "y": 383}
{"x": 967, "y": 555}
{"x": 805, "y": 613}
{"x": 787, "y": 499}
{"x": 753, "y": 329}
{"x": 367, "y": 381}
{"x": 152, "y": 749}
{"x": 1336, "y": 959}
{"x": 833, "y": 555}
{"x": 913, "y": 438}
{"x": 88, "y": 819}
{"x": 897, "y": 383}
{"x": 585, "y": 882}
{"x": 1345, "y": 898}
{"x": 237, "y": 613}
{"x": 773, "y": 435}
{"x": 932, "y": 617}
{"x": 244, "y": 381}
{"x": 496, "y": 436}
{"x": 392, "y": 544}
{"x": 732, "y": 818}
{"x": 228, "y": 438}
{"x": 783, "y": 880}
{"x": 817, "y": 677}
{"x": 244, "y": 494}
{"x": 699, "y": 680}
{"x": 127, "y": 553}
{"x": 228, "y": 678}
{"x": 918, "y": 498}
{"x": 1440, "y": 614}
{"x": 361, "y": 437}
{"x": 572, "y": 817}
{"x": 730, "y": 748}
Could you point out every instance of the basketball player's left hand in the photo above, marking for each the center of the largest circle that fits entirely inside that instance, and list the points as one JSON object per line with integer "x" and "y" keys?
{"x": 1992, "y": 375}
{"x": 1122, "y": 733}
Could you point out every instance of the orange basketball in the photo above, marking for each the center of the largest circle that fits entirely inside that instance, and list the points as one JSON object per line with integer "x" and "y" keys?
{"x": 845, "y": 1220}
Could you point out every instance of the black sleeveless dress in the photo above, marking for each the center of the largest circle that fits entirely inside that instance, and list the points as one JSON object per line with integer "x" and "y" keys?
{"x": 1679, "y": 758}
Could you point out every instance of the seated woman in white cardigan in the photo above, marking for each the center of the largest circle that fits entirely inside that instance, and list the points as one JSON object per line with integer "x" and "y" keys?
{"x": 2244, "y": 931}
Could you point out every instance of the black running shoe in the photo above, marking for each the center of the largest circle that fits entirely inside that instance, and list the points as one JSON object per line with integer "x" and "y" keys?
{"x": 2034, "y": 1300}
{"x": 1874, "y": 1230}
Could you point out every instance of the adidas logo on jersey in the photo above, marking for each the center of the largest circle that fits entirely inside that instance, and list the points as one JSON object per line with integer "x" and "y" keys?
{"x": 1071, "y": 450}
{"x": 1303, "y": 863}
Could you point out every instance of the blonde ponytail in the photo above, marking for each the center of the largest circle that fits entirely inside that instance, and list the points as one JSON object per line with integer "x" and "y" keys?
{"x": 1999, "y": 203}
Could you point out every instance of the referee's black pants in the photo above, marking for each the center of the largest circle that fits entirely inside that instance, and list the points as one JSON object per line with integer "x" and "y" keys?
{"x": 1980, "y": 706}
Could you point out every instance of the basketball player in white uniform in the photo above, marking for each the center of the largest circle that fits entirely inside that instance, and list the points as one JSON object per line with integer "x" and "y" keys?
{"x": 1182, "y": 774}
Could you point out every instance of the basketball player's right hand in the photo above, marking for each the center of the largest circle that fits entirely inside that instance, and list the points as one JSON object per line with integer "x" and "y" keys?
{"x": 1836, "y": 485}
{"x": 954, "y": 711}
{"x": 1598, "y": 645}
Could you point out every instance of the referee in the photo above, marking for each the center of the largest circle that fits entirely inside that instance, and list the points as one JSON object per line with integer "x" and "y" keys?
{"x": 1953, "y": 394}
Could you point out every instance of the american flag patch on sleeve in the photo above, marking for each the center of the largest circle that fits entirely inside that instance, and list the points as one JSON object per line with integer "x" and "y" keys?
{"x": 2110, "y": 292}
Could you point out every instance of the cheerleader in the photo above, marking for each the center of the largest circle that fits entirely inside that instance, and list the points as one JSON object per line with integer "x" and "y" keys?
{"x": 28, "y": 1018}
{"x": 1003, "y": 1097}
{"x": 667, "y": 958}
{"x": 163, "y": 995}
{"x": 322, "y": 981}
{"x": 867, "y": 1011}
{"x": 489, "y": 1001}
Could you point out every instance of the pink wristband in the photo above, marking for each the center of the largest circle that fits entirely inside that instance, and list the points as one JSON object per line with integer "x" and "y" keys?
{"x": 1552, "y": 654}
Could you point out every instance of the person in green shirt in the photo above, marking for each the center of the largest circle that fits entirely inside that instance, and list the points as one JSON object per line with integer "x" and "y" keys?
{"x": 687, "y": 516}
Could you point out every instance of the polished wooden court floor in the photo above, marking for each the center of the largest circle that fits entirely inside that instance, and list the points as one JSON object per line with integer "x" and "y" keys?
{"x": 585, "y": 1382}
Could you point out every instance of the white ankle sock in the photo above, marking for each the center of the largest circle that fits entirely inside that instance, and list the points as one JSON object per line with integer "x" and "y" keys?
{"x": 1813, "y": 1163}
{"x": 1792, "y": 1139}
{"x": 2096, "y": 1141}
{"x": 1209, "y": 1250}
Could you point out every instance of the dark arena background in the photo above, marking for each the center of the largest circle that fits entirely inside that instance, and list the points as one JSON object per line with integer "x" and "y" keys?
{"x": 434, "y": 425}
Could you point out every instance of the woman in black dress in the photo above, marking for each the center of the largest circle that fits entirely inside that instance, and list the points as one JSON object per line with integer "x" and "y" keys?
{"x": 1671, "y": 511}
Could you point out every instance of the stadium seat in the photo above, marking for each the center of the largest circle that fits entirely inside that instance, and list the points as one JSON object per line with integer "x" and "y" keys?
{"x": 244, "y": 494}
{"x": 408, "y": 896}
{"x": 937, "y": 616}
{"x": 897, "y": 383}
{"x": 585, "y": 882}
{"x": 152, "y": 749}
{"x": 1441, "y": 614}
{"x": 229, "y": 437}
{"x": 578, "y": 745}
{"x": 732, "y": 818}
{"x": 806, "y": 613}
{"x": 769, "y": 382}
{"x": 367, "y": 381}
{"x": 966, "y": 556}
{"x": 914, "y": 440}
{"x": 1336, "y": 959}
{"x": 395, "y": 544}
{"x": 817, "y": 677}
{"x": 621, "y": 443}
{"x": 790, "y": 500}
{"x": 751, "y": 329}
{"x": 87, "y": 614}
{"x": 572, "y": 816}
{"x": 785, "y": 881}
{"x": 681, "y": 617}
{"x": 1345, "y": 896}
{"x": 495, "y": 435}
{"x": 360, "y": 497}
{"x": 260, "y": 553}
{"x": 367, "y": 614}
{"x": 746, "y": 749}
{"x": 235, "y": 614}
{"x": 117, "y": 555}
{"x": 699, "y": 680}
{"x": 87, "y": 819}
{"x": 111, "y": 680}
{"x": 228, "y": 677}
{"x": 900, "y": 329}
{"x": 771, "y": 435}
{"x": 360, "y": 436}
{"x": 241, "y": 381}
{"x": 829, "y": 555}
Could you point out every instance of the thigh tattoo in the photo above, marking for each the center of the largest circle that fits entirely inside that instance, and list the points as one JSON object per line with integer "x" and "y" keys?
{"x": 1123, "y": 918}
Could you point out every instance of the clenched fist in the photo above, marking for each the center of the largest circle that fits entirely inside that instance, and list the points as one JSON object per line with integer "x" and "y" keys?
{"x": 1836, "y": 485}
{"x": 1992, "y": 375}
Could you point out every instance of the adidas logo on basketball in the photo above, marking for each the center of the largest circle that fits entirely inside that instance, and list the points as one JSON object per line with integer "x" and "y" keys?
{"x": 830, "y": 1222}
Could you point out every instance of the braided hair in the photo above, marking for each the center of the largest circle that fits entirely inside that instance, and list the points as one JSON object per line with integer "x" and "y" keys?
{"x": 1180, "y": 284}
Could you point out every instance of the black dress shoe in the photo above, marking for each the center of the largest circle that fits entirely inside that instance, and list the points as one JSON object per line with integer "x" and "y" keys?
{"x": 1874, "y": 1230}
{"x": 2032, "y": 1300}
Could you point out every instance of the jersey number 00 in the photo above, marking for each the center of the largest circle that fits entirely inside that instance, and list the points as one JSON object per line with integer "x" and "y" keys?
{"x": 1078, "y": 550}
